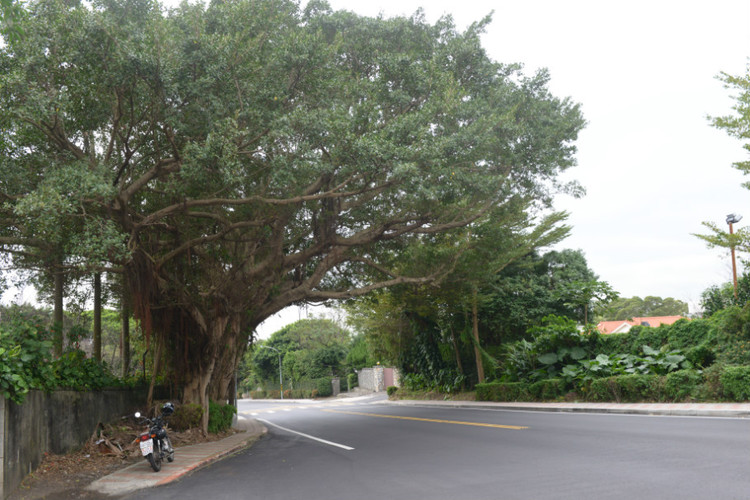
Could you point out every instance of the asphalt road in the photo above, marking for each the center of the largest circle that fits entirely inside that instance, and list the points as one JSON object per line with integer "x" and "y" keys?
{"x": 367, "y": 451}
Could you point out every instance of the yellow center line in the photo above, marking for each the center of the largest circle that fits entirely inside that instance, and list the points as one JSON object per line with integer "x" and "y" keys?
{"x": 455, "y": 422}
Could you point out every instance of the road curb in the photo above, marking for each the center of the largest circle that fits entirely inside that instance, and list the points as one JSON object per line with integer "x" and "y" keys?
{"x": 717, "y": 410}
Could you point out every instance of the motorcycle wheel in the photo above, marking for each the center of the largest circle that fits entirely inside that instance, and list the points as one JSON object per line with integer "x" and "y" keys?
{"x": 170, "y": 450}
{"x": 155, "y": 459}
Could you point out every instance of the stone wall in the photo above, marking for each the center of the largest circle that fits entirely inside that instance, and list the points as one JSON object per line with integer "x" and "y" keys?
{"x": 371, "y": 379}
{"x": 56, "y": 422}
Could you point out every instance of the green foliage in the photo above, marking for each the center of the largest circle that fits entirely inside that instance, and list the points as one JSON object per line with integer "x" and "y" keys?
{"x": 345, "y": 150}
{"x": 391, "y": 390}
{"x": 220, "y": 417}
{"x": 547, "y": 390}
{"x": 503, "y": 391}
{"x": 719, "y": 297}
{"x": 555, "y": 344}
{"x": 26, "y": 363}
{"x": 626, "y": 388}
{"x": 427, "y": 367}
{"x": 75, "y": 371}
{"x": 701, "y": 356}
{"x": 682, "y": 385}
{"x": 589, "y": 297}
{"x": 735, "y": 382}
{"x": 25, "y": 360}
{"x": 324, "y": 387}
{"x": 359, "y": 355}
{"x": 186, "y": 416}
{"x": 636, "y": 307}
{"x": 309, "y": 349}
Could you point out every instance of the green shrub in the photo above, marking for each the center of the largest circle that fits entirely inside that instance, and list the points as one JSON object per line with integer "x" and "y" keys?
{"x": 187, "y": 416}
{"x": 75, "y": 371}
{"x": 391, "y": 390}
{"x": 258, "y": 394}
{"x": 352, "y": 380}
{"x": 711, "y": 388}
{"x": 686, "y": 334}
{"x": 503, "y": 391}
{"x": 626, "y": 388}
{"x": 324, "y": 387}
{"x": 547, "y": 389}
{"x": 701, "y": 355}
{"x": 25, "y": 360}
{"x": 220, "y": 417}
{"x": 735, "y": 382}
{"x": 682, "y": 385}
{"x": 300, "y": 393}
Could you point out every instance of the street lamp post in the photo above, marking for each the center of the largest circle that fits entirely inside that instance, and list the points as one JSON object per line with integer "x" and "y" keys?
{"x": 281, "y": 378}
{"x": 733, "y": 219}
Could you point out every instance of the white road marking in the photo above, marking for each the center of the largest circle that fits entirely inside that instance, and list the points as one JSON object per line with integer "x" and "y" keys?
{"x": 330, "y": 443}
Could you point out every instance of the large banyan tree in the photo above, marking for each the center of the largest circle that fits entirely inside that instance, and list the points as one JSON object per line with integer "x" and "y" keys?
{"x": 235, "y": 158}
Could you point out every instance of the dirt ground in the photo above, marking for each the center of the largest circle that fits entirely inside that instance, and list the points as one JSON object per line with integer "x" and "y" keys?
{"x": 111, "y": 447}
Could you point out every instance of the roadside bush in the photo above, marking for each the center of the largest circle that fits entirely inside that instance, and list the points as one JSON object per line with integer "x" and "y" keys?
{"x": 701, "y": 355}
{"x": 25, "y": 360}
{"x": 555, "y": 344}
{"x": 352, "y": 380}
{"x": 220, "y": 417}
{"x": 503, "y": 391}
{"x": 548, "y": 389}
{"x": 626, "y": 388}
{"x": 187, "y": 416}
{"x": 711, "y": 388}
{"x": 682, "y": 385}
{"x": 75, "y": 371}
{"x": 735, "y": 382}
{"x": 257, "y": 394}
{"x": 686, "y": 334}
{"x": 324, "y": 387}
{"x": 391, "y": 390}
{"x": 301, "y": 393}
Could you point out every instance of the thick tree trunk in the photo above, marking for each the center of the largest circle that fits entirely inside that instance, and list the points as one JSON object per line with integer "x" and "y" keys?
{"x": 154, "y": 373}
{"x": 98, "y": 316}
{"x": 196, "y": 389}
{"x": 125, "y": 338}
{"x": 200, "y": 370}
{"x": 222, "y": 384}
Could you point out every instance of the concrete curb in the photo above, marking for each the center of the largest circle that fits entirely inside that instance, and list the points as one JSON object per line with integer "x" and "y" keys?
{"x": 718, "y": 410}
{"x": 187, "y": 459}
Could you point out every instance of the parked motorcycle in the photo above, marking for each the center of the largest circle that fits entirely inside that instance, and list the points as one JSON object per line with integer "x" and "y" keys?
{"x": 154, "y": 443}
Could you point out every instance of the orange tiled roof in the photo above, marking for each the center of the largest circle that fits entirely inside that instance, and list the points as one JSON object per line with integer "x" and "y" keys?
{"x": 625, "y": 325}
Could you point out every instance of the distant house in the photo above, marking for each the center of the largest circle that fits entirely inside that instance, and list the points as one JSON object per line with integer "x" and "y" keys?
{"x": 623, "y": 326}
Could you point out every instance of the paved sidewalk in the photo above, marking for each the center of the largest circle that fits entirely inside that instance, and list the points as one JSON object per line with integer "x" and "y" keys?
{"x": 727, "y": 410}
{"x": 187, "y": 459}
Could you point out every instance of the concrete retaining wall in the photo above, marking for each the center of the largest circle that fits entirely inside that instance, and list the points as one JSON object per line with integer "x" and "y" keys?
{"x": 56, "y": 422}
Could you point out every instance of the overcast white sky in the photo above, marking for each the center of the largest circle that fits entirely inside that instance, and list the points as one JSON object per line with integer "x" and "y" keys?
{"x": 645, "y": 73}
